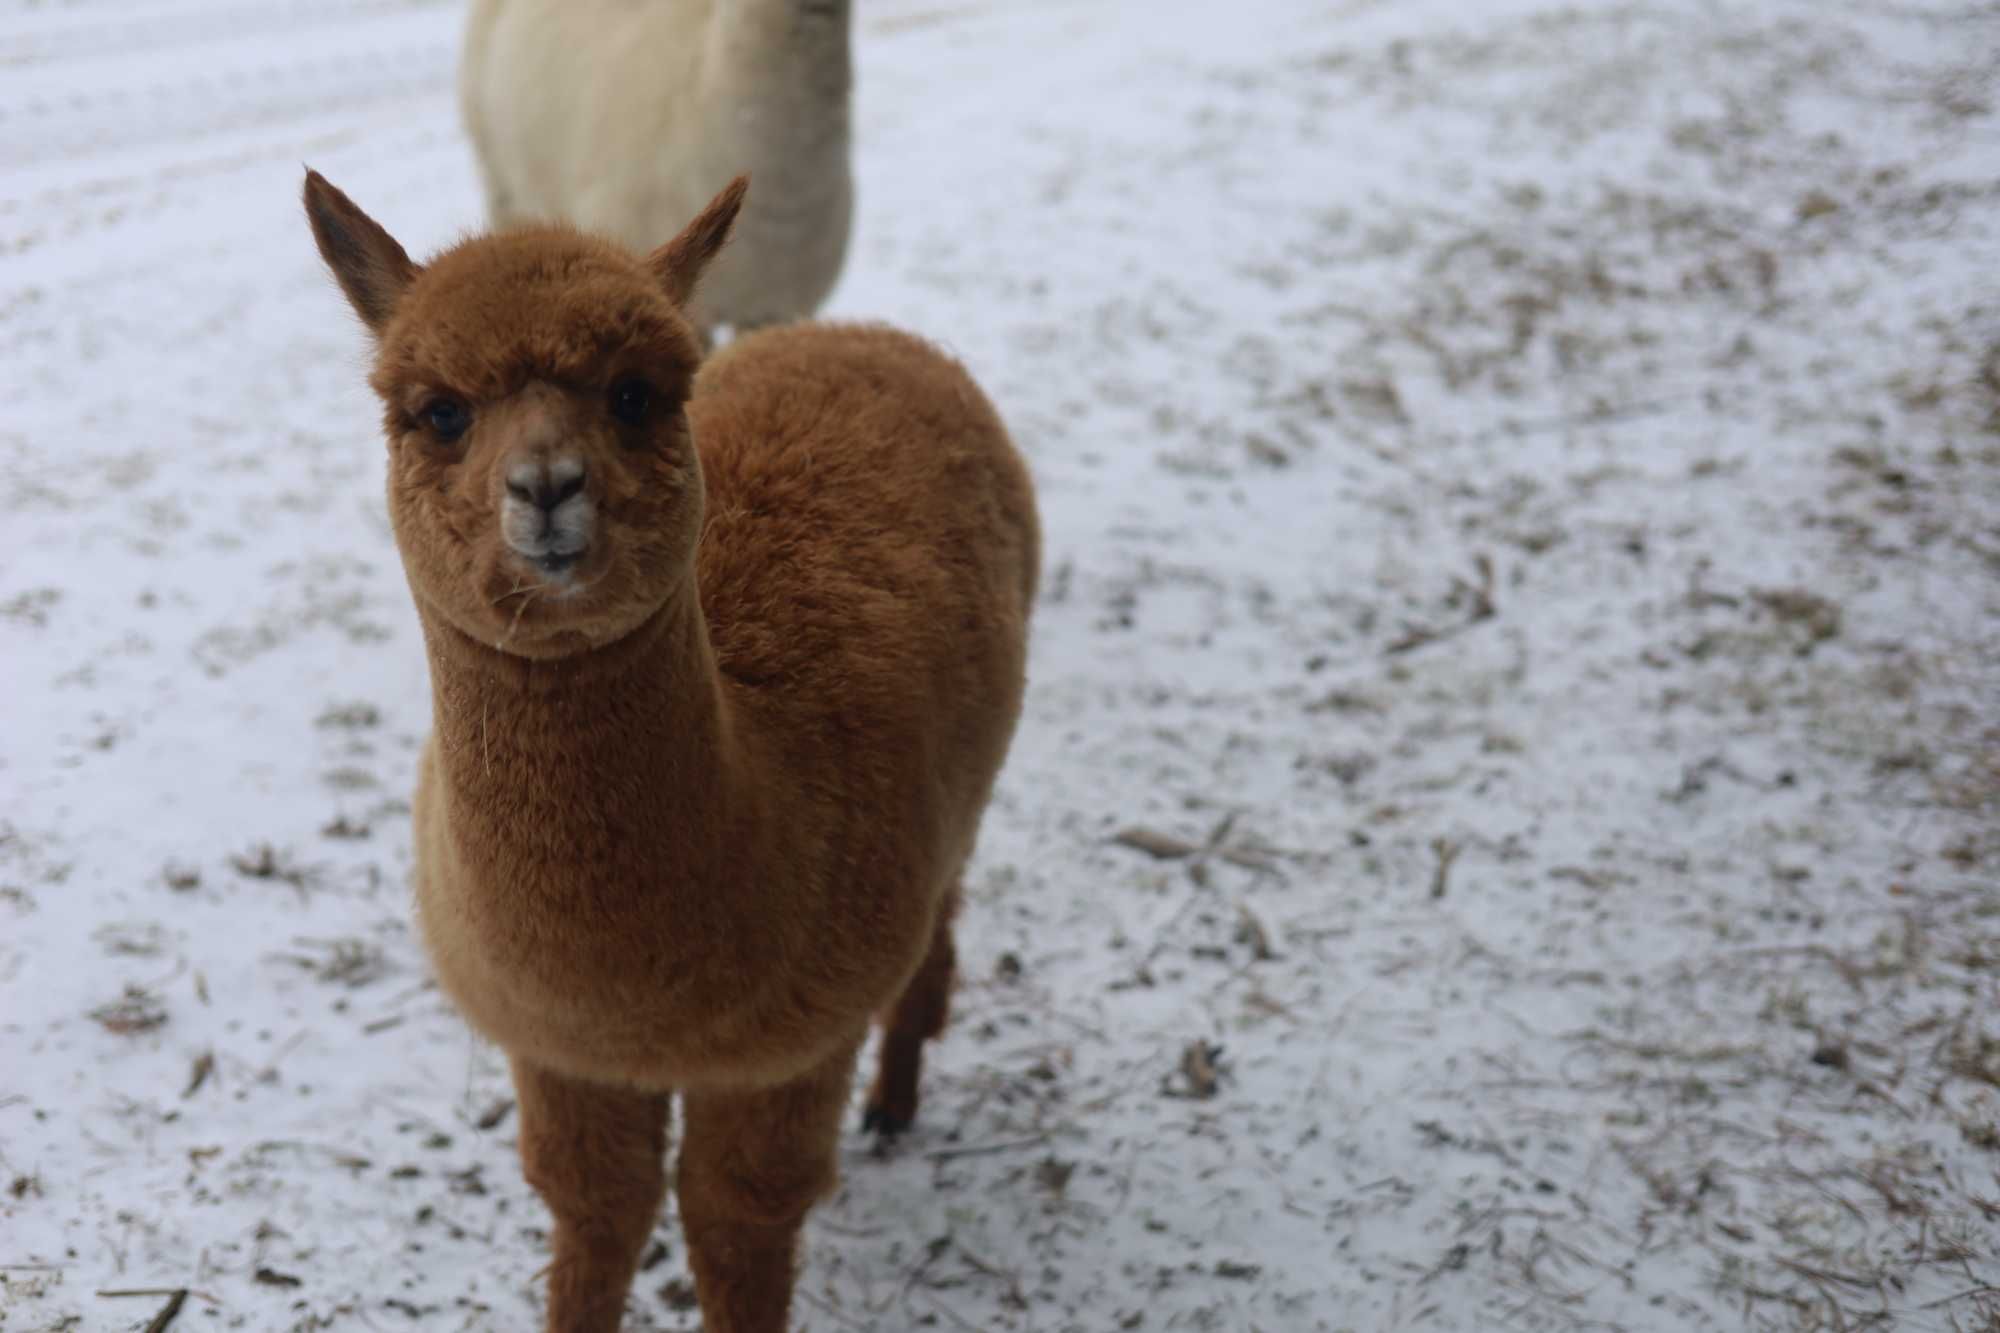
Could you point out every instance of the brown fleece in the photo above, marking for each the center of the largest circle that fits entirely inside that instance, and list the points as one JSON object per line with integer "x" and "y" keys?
{"x": 694, "y": 811}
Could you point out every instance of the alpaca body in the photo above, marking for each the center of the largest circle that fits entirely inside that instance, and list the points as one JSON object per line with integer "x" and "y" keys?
{"x": 725, "y": 659}
{"x": 802, "y": 770}
{"x": 626, "y": 117}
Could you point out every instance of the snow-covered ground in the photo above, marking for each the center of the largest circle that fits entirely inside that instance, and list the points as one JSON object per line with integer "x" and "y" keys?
{"x": 1506, "y": 828}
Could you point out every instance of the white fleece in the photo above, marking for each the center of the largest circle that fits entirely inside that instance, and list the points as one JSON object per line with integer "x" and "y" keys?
{"x": 626, "y": 117}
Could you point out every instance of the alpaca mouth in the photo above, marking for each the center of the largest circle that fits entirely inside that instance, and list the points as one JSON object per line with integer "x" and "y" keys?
{"x": 555, "y": 573}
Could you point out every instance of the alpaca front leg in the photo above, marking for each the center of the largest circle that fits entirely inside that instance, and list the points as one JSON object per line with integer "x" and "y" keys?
{"x": 751, "y": 1166}
{"x": 594, "y": 1153}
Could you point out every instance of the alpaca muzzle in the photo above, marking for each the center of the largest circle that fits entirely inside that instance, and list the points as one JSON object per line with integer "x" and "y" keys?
{"x": 546, "y": 514}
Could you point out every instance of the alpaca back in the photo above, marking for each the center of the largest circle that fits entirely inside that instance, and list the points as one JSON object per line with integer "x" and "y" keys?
{"x": 626, "y": 118}
{"x": 870, "y": 557}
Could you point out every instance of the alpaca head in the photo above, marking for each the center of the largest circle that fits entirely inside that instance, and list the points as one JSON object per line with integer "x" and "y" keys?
{"x": 543, "y": 484}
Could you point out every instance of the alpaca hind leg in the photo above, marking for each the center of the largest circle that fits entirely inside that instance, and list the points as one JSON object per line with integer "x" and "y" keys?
{"x": 595, "y": 1155}
{"x": 918, "y": 1016}
{"x": 752, "y": 1163}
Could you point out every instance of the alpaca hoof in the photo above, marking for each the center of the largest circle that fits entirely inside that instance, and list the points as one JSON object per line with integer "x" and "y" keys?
{"x": 879, "y": 1119}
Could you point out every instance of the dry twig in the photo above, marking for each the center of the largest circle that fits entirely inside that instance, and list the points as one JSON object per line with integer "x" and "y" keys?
{"x": 176, "y": 1298}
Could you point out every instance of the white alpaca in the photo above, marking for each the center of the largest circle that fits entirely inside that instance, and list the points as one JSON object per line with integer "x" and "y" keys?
{"x": 625, "y": 117}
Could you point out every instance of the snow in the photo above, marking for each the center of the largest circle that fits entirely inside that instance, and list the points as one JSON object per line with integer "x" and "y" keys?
{"x": 1522, "y": 486}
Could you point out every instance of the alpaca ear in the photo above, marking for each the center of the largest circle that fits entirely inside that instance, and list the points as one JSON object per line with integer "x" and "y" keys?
{"x": 680, "y": 262}
{"x": 372, "y": 268}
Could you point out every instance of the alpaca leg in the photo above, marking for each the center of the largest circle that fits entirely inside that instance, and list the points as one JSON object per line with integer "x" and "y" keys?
{"x": 594, "y": 1154}
{"x": 500, "y": 210}
{"x": 918, "y": 1016}
{"x": 752, "y": 1164}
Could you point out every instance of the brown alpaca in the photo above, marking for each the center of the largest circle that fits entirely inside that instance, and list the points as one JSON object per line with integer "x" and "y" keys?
{"x": 723, "y": 667}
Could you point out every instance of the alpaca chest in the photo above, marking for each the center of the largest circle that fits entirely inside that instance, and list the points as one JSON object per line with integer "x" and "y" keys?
{"x": 649, "y": 969}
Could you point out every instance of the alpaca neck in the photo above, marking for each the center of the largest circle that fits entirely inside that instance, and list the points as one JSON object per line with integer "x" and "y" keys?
{"x": 634, "y": 736}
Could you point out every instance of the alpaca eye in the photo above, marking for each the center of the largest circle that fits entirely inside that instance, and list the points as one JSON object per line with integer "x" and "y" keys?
{"x": 630, "y": 399}
{"x": 447, "y": 418}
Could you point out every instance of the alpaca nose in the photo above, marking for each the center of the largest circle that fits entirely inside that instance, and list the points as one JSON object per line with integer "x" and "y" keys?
{"x": 545, "y": 484}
